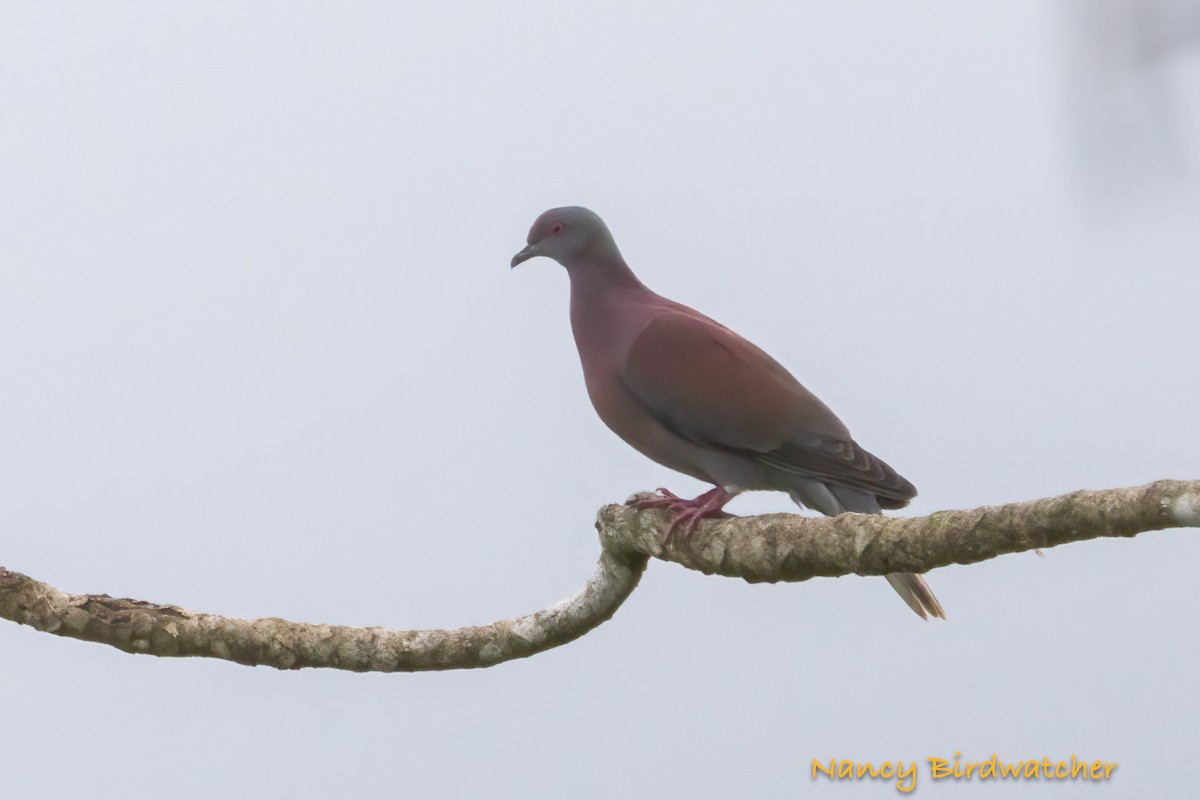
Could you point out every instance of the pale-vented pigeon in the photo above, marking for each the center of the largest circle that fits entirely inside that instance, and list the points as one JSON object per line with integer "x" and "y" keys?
{"x": 694, "y": 396}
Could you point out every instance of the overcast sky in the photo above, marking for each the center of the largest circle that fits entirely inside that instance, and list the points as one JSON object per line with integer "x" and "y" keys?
{"x": 261, "y": 354}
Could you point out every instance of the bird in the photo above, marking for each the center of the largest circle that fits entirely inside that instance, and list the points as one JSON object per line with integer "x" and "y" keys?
{"x": 692, "y": 395}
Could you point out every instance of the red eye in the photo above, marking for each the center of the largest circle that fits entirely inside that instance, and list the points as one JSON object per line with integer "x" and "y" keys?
{"x": 556, "y": 228}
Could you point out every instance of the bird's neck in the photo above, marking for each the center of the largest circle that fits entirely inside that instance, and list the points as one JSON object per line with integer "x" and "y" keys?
{"x": 595, "y": 276}
{"x": 607, "y": 300}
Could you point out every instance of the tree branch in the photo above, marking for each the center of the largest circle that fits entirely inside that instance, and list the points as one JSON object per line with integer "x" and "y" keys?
{"x": 773, "y": 547}
{"x": 786, "y": 547}
{"x": 137, "y": 626}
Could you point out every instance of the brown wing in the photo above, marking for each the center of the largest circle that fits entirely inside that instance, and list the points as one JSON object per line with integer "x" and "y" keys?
{"x": 710, "y": 386}
{"x": 842, "y": 461}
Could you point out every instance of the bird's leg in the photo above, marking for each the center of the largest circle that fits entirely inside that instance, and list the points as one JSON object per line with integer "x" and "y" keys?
{"x": 686, "y": 514}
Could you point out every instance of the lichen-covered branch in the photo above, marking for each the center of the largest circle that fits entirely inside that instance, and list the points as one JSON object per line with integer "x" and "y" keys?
{"x": 775, "y": 547}
{"x": 136, "y": 626}
{"x": 787, "y": 547}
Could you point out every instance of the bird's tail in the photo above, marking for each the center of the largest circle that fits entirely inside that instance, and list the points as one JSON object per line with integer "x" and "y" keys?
{"x": 916, "y": 592}
{"x": 832, "y": 500}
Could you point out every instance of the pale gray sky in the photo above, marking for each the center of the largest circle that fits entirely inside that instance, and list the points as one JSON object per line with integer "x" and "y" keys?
{"x": 261, "y": 354}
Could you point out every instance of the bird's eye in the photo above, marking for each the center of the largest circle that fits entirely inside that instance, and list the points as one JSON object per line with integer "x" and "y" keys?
{"x": 556, "y": 228}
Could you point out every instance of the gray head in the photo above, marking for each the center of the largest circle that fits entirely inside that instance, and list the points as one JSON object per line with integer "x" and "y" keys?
{"x": 567, "y": 235}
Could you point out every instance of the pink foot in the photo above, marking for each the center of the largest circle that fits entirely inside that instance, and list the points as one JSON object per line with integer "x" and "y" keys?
{"x": 686, "y": 514}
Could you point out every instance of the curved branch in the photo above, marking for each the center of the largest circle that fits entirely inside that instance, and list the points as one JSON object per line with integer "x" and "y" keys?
{"x": 136, "y": 626}
{"x": 774, "y": 547}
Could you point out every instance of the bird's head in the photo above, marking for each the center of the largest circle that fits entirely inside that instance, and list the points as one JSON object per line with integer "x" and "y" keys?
{"x": 565, "y": 234}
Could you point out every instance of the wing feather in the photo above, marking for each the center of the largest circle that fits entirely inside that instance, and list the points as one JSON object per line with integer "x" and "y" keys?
{"x": 706, "y": 384}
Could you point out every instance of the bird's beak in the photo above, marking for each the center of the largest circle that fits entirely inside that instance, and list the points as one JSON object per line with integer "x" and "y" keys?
{"x": 526, "y": 254}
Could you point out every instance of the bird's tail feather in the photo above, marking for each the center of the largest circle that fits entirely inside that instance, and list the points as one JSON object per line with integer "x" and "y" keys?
{"x": 832, "y": 500}
{"x": 916, "y": 592}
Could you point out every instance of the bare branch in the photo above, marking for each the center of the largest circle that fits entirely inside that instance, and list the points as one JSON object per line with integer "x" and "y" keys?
{"x": 136, "y": 626}
{"x": 787, "y": 547}
{"x": 775, "y": 547}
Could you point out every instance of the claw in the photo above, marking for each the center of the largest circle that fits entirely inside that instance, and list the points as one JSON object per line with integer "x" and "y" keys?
{"x": 687, "y": 514}
{"x": 666, "y": 499}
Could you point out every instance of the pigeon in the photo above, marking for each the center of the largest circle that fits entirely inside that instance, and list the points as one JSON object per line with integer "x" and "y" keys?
{"x": 694, "y": 396}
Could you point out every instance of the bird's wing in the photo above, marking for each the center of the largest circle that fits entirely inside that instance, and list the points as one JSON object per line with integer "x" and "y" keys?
{"x": 706, "y": 384}
{"x": 844, "y": 462}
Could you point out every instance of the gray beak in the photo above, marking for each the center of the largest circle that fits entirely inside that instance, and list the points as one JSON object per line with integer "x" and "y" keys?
{"x": 526, "y": 254}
